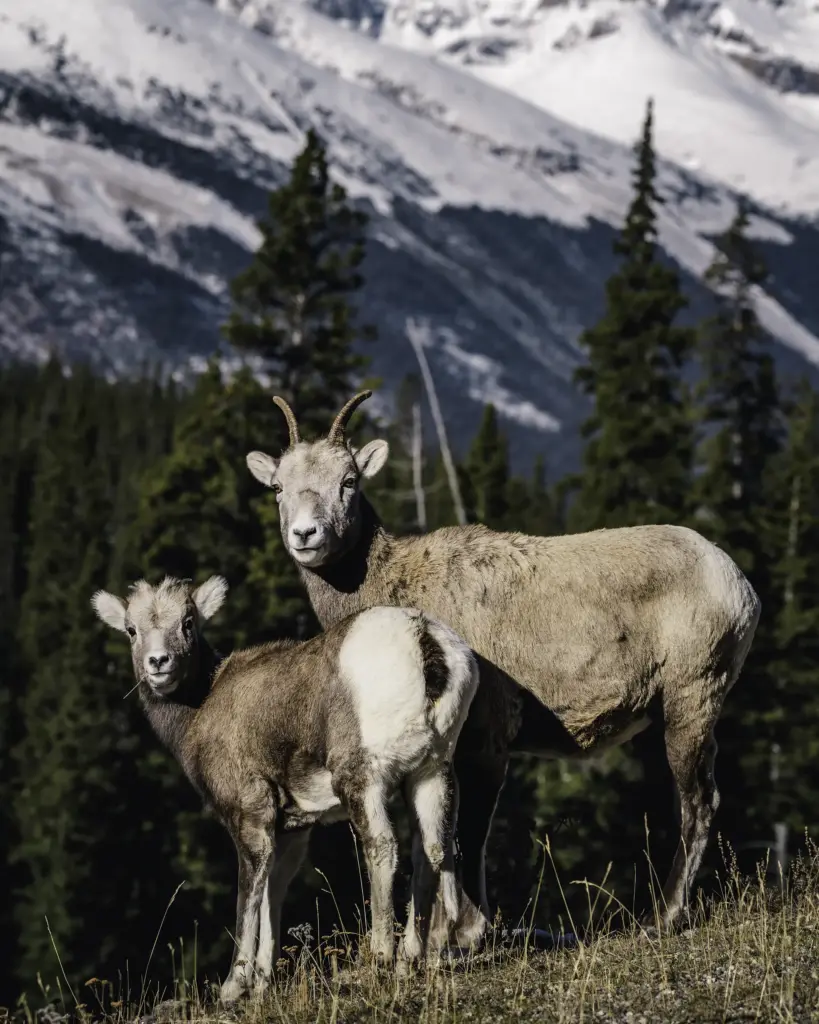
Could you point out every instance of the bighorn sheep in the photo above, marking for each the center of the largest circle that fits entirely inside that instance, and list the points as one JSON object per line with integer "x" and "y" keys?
{"x": 280, "y": 737}
{"x": 601, "y": 632}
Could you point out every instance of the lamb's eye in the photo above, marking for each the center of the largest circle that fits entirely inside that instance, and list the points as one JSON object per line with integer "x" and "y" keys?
{"x": 349, "y": 483}
{"x": 130, "y": 631}
{"x": 187, "y": 625}
{"x": 276, "y": 488}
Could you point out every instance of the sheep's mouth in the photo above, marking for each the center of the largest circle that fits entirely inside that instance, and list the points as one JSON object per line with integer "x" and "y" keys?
{"x": 162, "y": 682}
{"x": 310, "y": 556}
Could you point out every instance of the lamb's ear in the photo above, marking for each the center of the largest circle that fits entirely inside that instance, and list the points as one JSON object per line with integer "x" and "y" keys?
{"x": 210, "y": 596}
{"x": 371, "y": 458}
{"x": 110, "y": 608}
{"x": 262, "y": 466}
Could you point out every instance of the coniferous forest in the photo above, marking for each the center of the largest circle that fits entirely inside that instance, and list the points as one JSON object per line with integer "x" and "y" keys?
{"x": 108, "y": 861}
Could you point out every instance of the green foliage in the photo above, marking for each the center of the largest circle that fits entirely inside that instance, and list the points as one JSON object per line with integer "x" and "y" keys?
{"x": 639, "y": 439}
{"x": 792, "y": 670}
{"x": 487, "y": 474}
{"x": 740, "y": 410}
{"x": 103, "y": 482}
{"x": 293, "y": 305}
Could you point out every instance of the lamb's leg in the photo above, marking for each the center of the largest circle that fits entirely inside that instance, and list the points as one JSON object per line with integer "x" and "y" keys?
{"x": 480, "y": 780}
{"x": 432, "y": 800}
{"x": 255, "y": 849}
{"x": 368, "y": 813}
{"x": 291, "y": 848}
{"x": 691, "y": 751}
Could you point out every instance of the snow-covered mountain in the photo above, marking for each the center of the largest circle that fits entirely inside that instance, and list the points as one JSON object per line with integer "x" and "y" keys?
{"x": 488, "y": 138}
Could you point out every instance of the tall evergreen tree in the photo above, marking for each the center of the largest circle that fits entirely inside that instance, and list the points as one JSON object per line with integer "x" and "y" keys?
{"x": 743, "y": 426}
{"x": 637, "y": 469}
{"x": 639, "y": 440}
{"x": 486, "y": 474}
{"x": 796, "y": 579}
{"x": 294, "y": 305}
{"x": 740, "y": 404}
{"x": 77, "y": 755}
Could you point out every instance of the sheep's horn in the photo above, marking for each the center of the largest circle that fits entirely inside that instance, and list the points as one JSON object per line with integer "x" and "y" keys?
{"x": 292, "y": 426}
{"x": 336, "y": 435}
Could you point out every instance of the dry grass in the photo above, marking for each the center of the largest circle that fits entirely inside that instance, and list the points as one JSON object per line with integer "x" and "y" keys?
{"x": 752, "y": 954}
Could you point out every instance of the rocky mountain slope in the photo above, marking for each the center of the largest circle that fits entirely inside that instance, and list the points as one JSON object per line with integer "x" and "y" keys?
{"x": 490, "y": 142}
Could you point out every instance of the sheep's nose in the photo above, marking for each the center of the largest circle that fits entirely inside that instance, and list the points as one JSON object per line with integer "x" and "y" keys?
{"x": 157, "y": 662}
{"x": 303, "y": 532}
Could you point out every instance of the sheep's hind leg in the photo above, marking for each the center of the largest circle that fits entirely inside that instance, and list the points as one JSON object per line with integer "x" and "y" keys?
{"x": 290, "y": 851}
{"x": 432, "y": 800}
{"x": 691, "y": 752}
{"x": 480, "y": 779}
{"x": 370, "y": 818}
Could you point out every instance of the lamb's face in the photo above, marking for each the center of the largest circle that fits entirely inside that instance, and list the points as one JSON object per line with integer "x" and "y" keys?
{"x": 317, "y": 487}
{"x": 163, "y": 624}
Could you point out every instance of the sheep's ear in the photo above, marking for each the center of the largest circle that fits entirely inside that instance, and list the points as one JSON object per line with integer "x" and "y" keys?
{"x": 210, "y": 596}
{"x": 371, "y": 458}
{"x": 110, "y": 608}
{"x": 262, "y": 466}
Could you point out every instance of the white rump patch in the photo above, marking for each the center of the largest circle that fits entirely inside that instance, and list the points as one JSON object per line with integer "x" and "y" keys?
{"x": 380, "y": 662}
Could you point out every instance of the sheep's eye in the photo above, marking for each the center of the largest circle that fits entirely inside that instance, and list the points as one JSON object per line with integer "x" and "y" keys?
{"x": 276, "y": 488}
{"x": 350, "y": 482}
{"x": 130, "y": 631}
{"x": 187, "y": 625}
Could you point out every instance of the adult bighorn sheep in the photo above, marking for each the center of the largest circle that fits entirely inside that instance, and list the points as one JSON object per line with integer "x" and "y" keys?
{"x": 280, "y": 737}
{"x": 600, "y": 631}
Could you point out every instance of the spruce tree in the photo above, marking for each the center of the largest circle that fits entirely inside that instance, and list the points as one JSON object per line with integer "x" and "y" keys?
{"x": 637, "y": 469}
{"x": 486, "y": 474}
{"x": 742, "y": 423}
{"x": 79, "y": 830}
{"x": 793, "y": 670}
{"x": 294, "y": 305}
{"x": 639, "y": 442}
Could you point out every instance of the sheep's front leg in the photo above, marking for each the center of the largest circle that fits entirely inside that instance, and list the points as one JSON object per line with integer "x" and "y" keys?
{"x": 255, "y": 850}
{"x": 368, "y": 813}
{"x": 291, "y": 849}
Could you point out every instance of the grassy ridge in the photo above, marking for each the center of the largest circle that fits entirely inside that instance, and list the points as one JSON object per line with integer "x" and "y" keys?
{"x": 751, "y": 954}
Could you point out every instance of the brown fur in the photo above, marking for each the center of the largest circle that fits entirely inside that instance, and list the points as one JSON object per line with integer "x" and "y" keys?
{"x": 273, "y": 739}
{"x": 580, "y": 636}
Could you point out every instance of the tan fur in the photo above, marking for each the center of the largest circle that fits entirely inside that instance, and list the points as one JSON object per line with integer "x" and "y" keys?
{"x": 582, "y": 638}
{"x": 286, "y": 735}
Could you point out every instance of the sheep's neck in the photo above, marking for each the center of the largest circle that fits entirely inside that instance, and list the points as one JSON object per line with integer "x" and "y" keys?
{"x": 171, "y": 719}
{"x": 350, "y": 584}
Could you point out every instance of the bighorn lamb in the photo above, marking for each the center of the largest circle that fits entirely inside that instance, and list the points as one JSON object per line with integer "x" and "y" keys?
{"x": 280, "y": 737}
{"x": 601, "y": 632}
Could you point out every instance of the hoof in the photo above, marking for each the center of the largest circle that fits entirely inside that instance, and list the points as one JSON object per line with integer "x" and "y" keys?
{"x": 232, "y": 992}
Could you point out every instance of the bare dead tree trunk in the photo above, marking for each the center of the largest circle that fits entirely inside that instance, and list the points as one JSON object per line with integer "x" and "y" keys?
{"x": 415, "y": 337}
{"x": 780, "y": 828}
{"x": 417, "y": 468}
{"x": 275, "y": 108}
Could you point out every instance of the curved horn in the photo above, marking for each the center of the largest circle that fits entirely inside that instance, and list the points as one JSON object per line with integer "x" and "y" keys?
{"x": 336, "y": 435}
{"x": 292, "y": 426}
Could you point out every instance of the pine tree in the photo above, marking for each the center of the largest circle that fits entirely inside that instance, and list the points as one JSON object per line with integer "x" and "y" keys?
{"x": 637, "y": 459}
{"x": 795, "y": 716}
{"x": 486, "y": 474}
{"x": 740, "y": 404}
{"x": 293, "y": 306}
{"x": 637, "y": 468}
{"x": 76, "y": 820}
{"x": 740, "y": 409}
